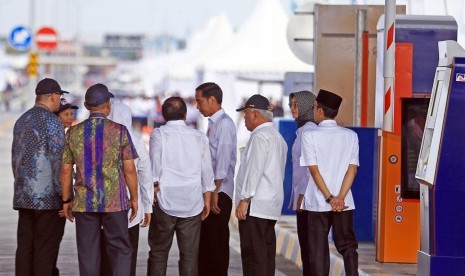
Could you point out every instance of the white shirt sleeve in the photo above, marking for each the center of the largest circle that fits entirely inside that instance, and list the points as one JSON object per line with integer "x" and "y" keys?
{"x": 155, "y": 154}
{"x": 225, "y": 149}
{"x": 144, "y": 174}
{"x": 206, "y": 168}
{"x": 255, "y": 165}
{"x": 354, "y": 155}
{"x": 308, "y": 156}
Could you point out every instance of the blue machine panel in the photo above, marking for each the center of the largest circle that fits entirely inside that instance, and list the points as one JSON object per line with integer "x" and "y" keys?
{"x": 425, "y": 35}
{"x": 287, "y": 128}
{"x": 449, "y": 191}
{"x": 364, "y": 186}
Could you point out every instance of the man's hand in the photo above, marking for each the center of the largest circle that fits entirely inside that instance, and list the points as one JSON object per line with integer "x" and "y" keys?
{"x": 134, "y": 207}
{"x": 206, "y": 210}
{"x": 300, "y": 199}
{"x": 214, "y": 204}
{"x": 67, "y": 211}
{"x": 146, "y": 221}
{"x": 338, "y": 204}
{"x": 241, "y": 210}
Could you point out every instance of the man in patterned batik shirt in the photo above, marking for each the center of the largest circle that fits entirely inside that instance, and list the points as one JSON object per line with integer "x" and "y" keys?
{"x": 104, "y": 156}
{"x": 38, "y": 139}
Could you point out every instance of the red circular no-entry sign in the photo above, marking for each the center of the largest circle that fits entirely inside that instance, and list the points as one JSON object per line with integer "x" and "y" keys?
{"x": 46, "y": 38}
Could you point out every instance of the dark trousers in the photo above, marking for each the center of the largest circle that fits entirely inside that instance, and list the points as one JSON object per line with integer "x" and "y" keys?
{"x": 39, "y": 236}
{"x": 258, "y": 246}
{"x": 302, "y": 234}
{"x": 161, "y": 232}
{"x": 134, "y": 239}
{"x": 113, "y": 228}
{"x": 319, "y": 224}
{"x": 214, "y": 240}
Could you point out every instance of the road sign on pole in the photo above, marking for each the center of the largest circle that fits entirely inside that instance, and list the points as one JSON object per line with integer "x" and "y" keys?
{"x": 46, "y": 38}
{"x": 20, "y": 38}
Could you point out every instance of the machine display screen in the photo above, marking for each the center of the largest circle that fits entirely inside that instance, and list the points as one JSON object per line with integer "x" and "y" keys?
{"x": 414, "y": 111}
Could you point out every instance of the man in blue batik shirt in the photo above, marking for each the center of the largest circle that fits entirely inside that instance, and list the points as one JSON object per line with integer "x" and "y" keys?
{"x": 38, "y": 141}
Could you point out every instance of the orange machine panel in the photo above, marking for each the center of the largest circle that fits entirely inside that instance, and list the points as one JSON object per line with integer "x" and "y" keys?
{"x": 398, "y": 219}
{"x": 403, "y": 83}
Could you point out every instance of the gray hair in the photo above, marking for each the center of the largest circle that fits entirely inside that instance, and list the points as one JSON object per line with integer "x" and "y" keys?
{"x": 266, "y": 114}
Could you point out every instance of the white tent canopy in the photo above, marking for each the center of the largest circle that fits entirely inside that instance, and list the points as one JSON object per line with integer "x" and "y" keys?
{"x": 260, "y": 45}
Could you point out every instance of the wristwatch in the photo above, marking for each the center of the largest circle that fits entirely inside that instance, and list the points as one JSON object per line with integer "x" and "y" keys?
{"x": 330, "y": 197}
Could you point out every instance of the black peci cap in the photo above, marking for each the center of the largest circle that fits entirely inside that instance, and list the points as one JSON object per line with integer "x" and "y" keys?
{"x": 329, "y": 99}
{"x": 258, "y": 102}
{"x": 48, "y": 86}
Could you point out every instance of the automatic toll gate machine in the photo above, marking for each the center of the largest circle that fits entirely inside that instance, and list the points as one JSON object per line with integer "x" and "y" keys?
{"x": 441, "y": 169}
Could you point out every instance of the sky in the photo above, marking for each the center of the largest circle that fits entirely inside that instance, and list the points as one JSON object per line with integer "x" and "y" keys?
{"x": 90, "y": 19}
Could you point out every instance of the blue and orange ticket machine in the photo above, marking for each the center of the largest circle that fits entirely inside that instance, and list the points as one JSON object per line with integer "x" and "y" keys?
{"x": 398, "y": 205}
{"x": 441, "y": 169}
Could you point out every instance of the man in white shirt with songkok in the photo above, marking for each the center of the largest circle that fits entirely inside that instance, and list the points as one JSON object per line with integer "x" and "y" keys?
{"x": 214, "y": 233}
{"x": 331, "y": 154}
{"x": 259, "y": 188}
{"x": 183, "y": 182}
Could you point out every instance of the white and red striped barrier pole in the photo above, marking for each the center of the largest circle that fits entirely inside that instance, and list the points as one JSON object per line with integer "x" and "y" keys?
{"x": 389, "y": 59}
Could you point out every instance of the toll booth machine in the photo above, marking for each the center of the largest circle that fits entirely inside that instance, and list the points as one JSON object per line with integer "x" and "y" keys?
{"x": 398, "y": 205}
{"x": 441, "y": 169}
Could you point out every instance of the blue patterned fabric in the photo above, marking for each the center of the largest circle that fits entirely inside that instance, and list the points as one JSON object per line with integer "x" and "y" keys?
{"x": 38, "y": 141}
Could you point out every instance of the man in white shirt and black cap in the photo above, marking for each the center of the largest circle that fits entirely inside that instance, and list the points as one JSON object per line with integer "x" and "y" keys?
{"x": 183, "y": 181}
{"x": 331, "y": 154}
{"x": 259, "y": 188}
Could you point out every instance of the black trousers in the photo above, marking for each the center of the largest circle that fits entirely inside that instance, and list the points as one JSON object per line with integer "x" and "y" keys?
{"x": 319, "y": 224}
{"x": 91, "y": 228}
{"x": 39, "y": 236}
{"x": 214, "y": 240}
{"x": 134, "y": 239}
{"x": 302, "y": 234}
{"x": 161, "y": 233}
{"x": 258, "y": 246}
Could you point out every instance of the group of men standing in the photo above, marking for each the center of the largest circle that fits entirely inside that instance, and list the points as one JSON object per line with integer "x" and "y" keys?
{"x": 192, "y": 174}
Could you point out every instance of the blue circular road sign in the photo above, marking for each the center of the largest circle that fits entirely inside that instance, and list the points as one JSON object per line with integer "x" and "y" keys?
{"x": 20, "y": 38}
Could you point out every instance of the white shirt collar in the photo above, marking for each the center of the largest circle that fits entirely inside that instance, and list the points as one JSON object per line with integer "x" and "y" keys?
{"x": 267, "y": 124}
{"x": 217, "y": 115}
{"x": 328, "y": 122}
{"x": 176, "y": 123}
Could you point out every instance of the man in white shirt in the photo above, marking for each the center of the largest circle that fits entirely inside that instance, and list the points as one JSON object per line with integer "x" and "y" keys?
{"x": 122, "y": 114}
{"x": 259, "y": 188}
{"x": 183, "y": 182}
{"x": 214, "y": 233}
{"x": 331, "y": 154}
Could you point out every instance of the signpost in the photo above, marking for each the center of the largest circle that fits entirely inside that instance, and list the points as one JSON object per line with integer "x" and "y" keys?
{"x": 46, "y": 39}
{"x": 20, "y": 38}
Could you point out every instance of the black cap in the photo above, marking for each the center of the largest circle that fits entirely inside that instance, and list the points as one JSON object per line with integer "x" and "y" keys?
{"x": 65, "y": 105}
{"x": 329, "y": 99}
{"x": 97, "y": 94}
{"x": 258, "y": 102}
{"x": 48, "y": 86}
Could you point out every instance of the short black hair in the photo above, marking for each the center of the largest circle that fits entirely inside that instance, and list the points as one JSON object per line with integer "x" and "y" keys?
{"x": 328, "y": 112}
{"x": 211, "y": 89}
{"x": 174, "y": 108}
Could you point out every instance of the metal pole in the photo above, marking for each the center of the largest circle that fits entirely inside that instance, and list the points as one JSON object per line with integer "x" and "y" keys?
{"x": 360, "y": 28}
{"x": 389, "y": 56}
{"x": 32, "y": 78}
